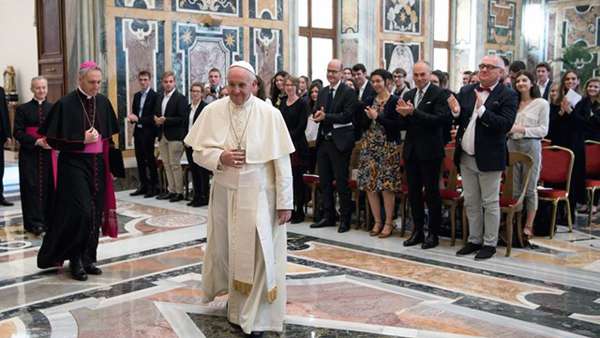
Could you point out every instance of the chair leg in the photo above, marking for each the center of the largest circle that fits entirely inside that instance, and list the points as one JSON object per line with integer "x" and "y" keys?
{"x": 569, "y": 220}
{"x": 452, "y": 224}
{"x": 509, "y": 232}
{"x": 590, "y": 193}
{"x": 553, "y": 220}
{"x": 519, "y": 217}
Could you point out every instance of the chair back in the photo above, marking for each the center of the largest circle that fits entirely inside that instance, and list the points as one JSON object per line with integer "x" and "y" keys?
{"x": 449, "y": 170}
{"x": 592, "y": 159}
{"x": 546, "y": 142}
{"x": 557, "y": 166}
{"x": 516, "y": 160}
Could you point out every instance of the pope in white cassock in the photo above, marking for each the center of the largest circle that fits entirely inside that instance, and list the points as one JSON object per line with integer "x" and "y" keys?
{"x": 245, "y": 143}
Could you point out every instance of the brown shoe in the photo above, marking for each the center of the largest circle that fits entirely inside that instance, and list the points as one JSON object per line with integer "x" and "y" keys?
{"x": 387, "y": 231}
{"x": 376, "y": 229}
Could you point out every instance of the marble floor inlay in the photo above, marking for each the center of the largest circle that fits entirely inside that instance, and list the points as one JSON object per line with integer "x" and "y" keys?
{"x": 338, "y": 285}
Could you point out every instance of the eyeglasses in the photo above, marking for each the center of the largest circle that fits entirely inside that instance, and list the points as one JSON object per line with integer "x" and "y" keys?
{"x": 332, "y": 71}
{"x": 487, "y": 66}
{"x": 398, "y": 76}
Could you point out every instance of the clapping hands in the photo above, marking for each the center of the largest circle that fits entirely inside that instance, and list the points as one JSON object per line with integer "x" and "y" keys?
{"x": 404, "y": 108}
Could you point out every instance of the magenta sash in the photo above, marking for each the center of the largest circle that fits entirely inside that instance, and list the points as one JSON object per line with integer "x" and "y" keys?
{"x": 110, "y": 225}
{"x": 32, "y": 131}
{"x": 92, "y": 148}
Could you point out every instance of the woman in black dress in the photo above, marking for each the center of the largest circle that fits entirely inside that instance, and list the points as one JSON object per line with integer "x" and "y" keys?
{"x": 295, "y": 113}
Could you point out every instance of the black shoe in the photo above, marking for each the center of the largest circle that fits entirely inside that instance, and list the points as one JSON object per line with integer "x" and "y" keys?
{"x": 485, "y": 252}
{"x": 298, "y": 217}
{"x": 176, "y": 198}
{"x": 203, "y": 202}
{"x": 468, "y": 249}
{"x": 5, "y": 203}
{"x": 324, "y": 222}
{"x": 77, "y": 271}
{"x": 92, "y": 269}
{"x": 139, "y": 191}
{"x": 255, "y": 334}
{"x": 36, "y": 230}
{"x": 344, "y": 226}
{"x": 151, "y": 193}
{"x": 430, "y": 242}
{"x": 417, "y": 237}
{"x": 165, "y": 196}
{"x": 194, "y": 204}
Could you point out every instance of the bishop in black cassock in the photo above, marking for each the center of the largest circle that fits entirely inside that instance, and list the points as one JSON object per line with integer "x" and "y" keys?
{"x": 80, "y": 125}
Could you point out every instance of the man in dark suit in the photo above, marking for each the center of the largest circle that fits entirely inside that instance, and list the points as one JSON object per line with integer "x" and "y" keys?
{"x": 200, "y": 176}
{"x": 333, "y": 111}
{"x": 425, "y": 115}
{"x": 486, "y": 113}
{"x": 171, "y": 117}
{"x": 542, "y": 72}
{"x": 5, "y": 133}
{"x": 366, "y": 94}
{"x": 144, "y": 134}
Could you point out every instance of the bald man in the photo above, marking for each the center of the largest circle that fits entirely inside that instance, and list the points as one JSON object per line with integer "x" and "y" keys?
{"x": 335, "y": 141}
{"x": 245, "y": 143}
{"x": 486, "y": 112}
{"x": 425, "y": 114}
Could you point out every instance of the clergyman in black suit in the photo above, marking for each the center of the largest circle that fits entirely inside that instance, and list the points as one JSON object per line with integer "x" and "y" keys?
{"x": 171, "y": 117}
{"x": 335, "y": 141}
{"x": 5, "y": 133}
{"x": 200, "y": 175}
{"x": 144, "y": 135}
{"x": 486, "y": 112}
{"x": 425, "y": 114}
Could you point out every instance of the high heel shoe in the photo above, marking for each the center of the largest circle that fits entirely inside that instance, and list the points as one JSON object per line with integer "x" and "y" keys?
{"x": 376, "y": 229}
{"x": 528, "y": 232}
{"x": 386, "y": 234}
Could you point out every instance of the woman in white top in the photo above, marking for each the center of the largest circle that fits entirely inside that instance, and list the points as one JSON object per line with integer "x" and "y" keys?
{"x": 530, "y": 127}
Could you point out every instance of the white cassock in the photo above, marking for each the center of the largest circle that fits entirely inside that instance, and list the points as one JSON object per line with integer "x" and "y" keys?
{"x": 246, "y": 250}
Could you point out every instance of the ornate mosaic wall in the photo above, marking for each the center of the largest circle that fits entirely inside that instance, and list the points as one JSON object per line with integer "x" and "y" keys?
{"x": 403, "y": 33}
{"x": 502, "y": 25}
{"x": 189, "y": 37}
{"x": 575, "y": 24}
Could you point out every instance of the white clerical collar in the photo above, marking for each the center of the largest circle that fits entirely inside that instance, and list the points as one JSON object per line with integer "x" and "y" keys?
{"x": 39, "y": 101}
{"x": 87, "y": 96}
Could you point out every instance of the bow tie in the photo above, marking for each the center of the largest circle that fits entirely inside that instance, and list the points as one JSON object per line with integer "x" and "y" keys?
{"x": 484, "y": 89}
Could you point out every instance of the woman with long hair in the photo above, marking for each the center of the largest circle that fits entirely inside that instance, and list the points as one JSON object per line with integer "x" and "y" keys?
{"x": 568, "y": 131}
{"x": 379, "y": 160}
{"x": 277, "y": 90}
{"x": 530, "y": 127}
{"x": 295, "y": 112}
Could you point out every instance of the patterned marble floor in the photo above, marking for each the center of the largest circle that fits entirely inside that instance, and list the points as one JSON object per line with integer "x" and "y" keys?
{"x": 339, "y": 285}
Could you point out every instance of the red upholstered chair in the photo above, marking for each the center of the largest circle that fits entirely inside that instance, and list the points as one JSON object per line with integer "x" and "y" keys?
{"x": 592, "y": 173}
{"x": 451, "y": 194}
{"x": 509, "y": 205}
{"x": 546, "y": 142}
{"x": 557, "y": 166}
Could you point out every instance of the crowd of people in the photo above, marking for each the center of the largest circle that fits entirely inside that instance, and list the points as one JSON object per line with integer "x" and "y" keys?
{"x": 399, "y": 129}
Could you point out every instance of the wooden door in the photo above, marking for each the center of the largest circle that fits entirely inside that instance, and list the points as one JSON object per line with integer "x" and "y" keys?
{"x": 51, "y": 46}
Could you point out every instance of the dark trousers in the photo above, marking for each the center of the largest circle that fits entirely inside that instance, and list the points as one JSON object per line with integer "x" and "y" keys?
{"x": 424, "y": 174}
{"x": 144, "y": 155}
{"x": 2, "y": 170}
{"x": 299, "y": 188}
{"x": 200, "y": 178}
{"x": 333, "y": 164}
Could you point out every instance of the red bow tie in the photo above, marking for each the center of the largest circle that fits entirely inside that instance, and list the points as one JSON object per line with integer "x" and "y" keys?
{"x": 484, "y": 89}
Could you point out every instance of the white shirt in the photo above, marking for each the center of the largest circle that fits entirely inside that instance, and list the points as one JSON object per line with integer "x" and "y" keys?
{"x": 542, "y": 88}
{"x": 535, "y": 117}
{"x": 335, "y": 88}
{"x": 468, "y": 140}
{"x": 419, "y": 98}
{"x": 192, "y": 112}
{"x": 165, "y": 100}
{"x": 362, "y": 90}
{"x": 142, "y": 101}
